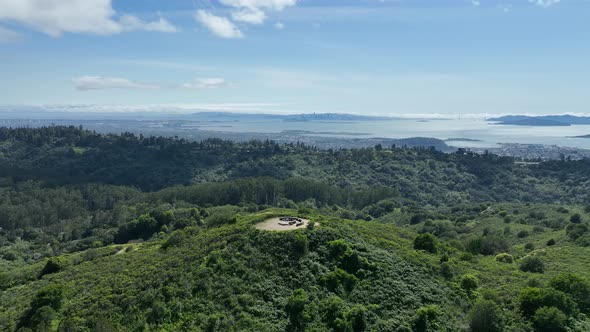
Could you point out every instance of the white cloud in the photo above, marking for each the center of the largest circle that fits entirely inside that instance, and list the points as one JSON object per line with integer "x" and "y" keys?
{"x": 86, "y": 83}
{"x": 279, "y": 26}
{"x": 475, "y": 2}
{"x": 56, "y": 17}
{"x": 131, "y": 23}
{"x": 179, "y": 108}
{"x": 242, "y": 11}
{"x": 260, "y": 4}
{"x": 205, "y": 83}
{"x": 9, "y": 36}
{"x": 254, "y": 11}
{"x": 218, "y": 25}
{"x": 544, "y": 3}
{"x": 249, "y": 15}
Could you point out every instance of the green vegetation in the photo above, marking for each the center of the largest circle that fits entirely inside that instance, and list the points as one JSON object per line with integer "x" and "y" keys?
{"x": 532, "y": 264}
{"x": 486, "y": 316}
{"x": 118, "y": 232}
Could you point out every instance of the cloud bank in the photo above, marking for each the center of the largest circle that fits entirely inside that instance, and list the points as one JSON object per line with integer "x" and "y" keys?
{"x": 218, "y": 25}
{"x": 241, "y": 11}
{"x": 56, "y": 17}
{"x": 544, "y": 3}
{"x": 205, "y": 83}
{"x": 86, "y": 83}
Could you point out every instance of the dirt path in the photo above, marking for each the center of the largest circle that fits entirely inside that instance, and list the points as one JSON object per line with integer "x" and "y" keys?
{"x": 273, "y": 225}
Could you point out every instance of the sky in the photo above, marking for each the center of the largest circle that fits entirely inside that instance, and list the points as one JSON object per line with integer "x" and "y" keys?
{"x": 376, "y": 57}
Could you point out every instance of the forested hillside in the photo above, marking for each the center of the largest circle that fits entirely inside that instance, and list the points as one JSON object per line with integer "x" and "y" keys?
{"x": 132, "y": 233}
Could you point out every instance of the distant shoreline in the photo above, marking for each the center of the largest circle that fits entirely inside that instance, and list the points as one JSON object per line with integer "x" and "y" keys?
{"x": 462, "y": 139}
{"x": 311, "y": 132}
{"x": 541, "y": 121}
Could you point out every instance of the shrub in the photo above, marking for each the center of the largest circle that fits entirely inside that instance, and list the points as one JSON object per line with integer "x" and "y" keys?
{"x": 90, "y": 255}
{"x": 466, "y": 257}
{"x": 583, "y": 241}
{"x": 356, "y": 318}
{"x": 425, "y": 242}
{"x": 474, "y": 245}
{"x": 338, "y": 248}
{"x": 576, "y": 218}
{"x": 532, "y": 264}
{"x": 522, "y": 234}
{"x": 345, "y": 214}
{"x": 175, "y": 239}
{"x": 225, "y": 218}
{"x": 551, "y": 242}
{"x": 72, "y": 324}
{"x": 295, "y": 308}
{"x": 97, "y": 244}
{"x": 486, "y": 316}
{"x": 50, "y": 296}
{"x": 427, "y": 319}
{"x": 575, "y": 286}
{"x": 534, "y": 282}
{"x": 574, "y": 231}
{"x": 488, "y": 245}
{"x": 10, "y": 255}
{"x": 300, "y": 245}
{"x": 331, "y": 310}
{"x": 339, "y": 278}
{"x": 504, "y": 258}
{"x": 42, "y": 318}
{"x": 529, "y": 247}
{"x": 491, "y": 245}
{"x": 469, "y": 283}
{"x": 530, "y": 299}
{"x": 303, "y": 211}
{"x": 54, "y": 265}
{"x": 446, "y": 271}
{"x": 417, "y": 218}
{"x": 561, "y": 209}
{"x": 533, "y": 298}
{"x": 549, "y": 319}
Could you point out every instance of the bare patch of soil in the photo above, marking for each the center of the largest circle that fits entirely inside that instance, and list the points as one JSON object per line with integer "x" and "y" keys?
{"x": 273, "y": 225}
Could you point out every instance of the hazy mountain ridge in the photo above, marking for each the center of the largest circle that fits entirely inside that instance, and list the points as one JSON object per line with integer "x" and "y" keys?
{"x": 542, "y": 120}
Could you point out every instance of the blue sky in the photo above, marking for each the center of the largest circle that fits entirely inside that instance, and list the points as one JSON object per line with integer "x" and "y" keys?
{"x": 365, "y": 56}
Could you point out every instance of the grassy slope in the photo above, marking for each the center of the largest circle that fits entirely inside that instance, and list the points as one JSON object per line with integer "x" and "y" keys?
{"x": 505, "y": 281}
{"x": 236, "y": 276}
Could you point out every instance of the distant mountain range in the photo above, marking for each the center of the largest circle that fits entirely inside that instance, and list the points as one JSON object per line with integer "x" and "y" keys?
{"x": 541, "y": 121}
{"x": 31, "y": 112}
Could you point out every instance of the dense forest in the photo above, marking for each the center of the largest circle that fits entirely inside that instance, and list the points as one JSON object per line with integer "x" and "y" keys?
{"x": 103, "y": 232}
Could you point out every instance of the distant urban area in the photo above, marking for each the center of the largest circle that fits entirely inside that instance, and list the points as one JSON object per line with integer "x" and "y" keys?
{"x": 197, "y": 130}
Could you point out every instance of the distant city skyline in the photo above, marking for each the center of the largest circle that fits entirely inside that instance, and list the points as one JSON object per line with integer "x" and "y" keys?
{"x": 373, "y": 57}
